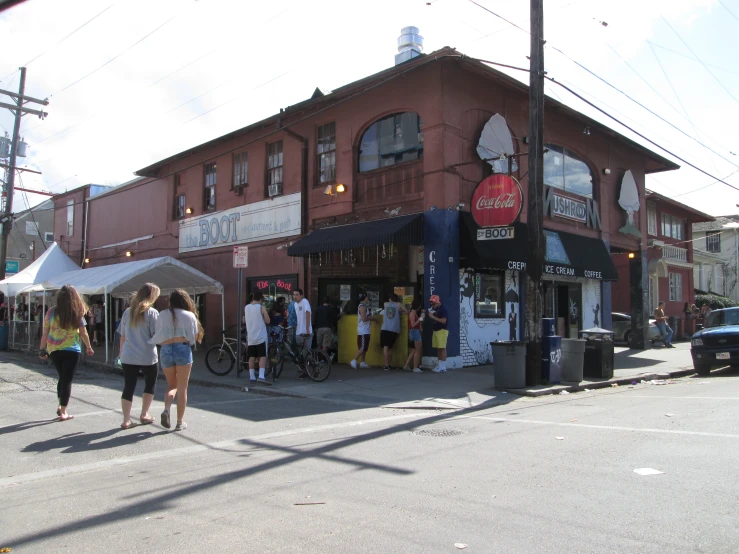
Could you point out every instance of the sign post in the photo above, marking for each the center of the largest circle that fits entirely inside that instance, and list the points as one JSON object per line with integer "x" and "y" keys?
{"x": 241, "y": 260}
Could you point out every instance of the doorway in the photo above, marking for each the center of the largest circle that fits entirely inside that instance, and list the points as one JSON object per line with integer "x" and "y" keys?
{"x": 563, "y": 302}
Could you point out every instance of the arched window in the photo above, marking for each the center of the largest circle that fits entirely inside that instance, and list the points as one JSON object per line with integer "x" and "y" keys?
{"x": 564, "y": 170}
{"x": 394, "y": 139}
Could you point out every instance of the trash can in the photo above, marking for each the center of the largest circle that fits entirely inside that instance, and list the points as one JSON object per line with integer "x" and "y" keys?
{"x": 3, "y": 336}
{"x": 548, "y": 326}
{"x": 551, "y": 359}
{"x": 573, "y": 356}
{"x": 598, "y": 360}
{"x": 509, "y": 364}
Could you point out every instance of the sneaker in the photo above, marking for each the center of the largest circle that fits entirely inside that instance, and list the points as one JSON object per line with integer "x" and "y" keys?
{"x": 418, "y": 370}
{"x": 386, "y": 368}
{"x": 363, "y": 365}
{"x": 181, "y": 426}
{"x": 353, "y": 363}
{"x": 264, "y": 382}
{"x": 438, "y": 370}
{"x": 165, "y": 419}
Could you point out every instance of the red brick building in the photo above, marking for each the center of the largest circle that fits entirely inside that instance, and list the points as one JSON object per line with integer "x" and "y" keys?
{"x": 398, "y": 148}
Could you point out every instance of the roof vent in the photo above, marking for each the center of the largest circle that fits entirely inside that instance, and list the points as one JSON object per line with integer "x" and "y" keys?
{"x": 410, "y": 45}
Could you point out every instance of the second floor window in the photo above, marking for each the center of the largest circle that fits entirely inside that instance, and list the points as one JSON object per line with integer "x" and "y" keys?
{"x": 179, "y": 206}
{"x": 676, "y": 287}
{"x": 274, "y": 163}
{"x": 652, "y": 220}
{"x": 241, "y": 170}
{"x": 713, "y": 241}
{"x": 209, "y": 197}
{"x": 672, "y": 227}
{"x": 390, "y": 141}
{"x": 327, "y": 153}
{"x": 564, "y": 170}
{"x": 70, "y": 217}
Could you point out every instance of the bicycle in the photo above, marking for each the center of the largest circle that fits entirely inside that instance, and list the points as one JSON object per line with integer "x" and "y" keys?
{"x": 314, "y": 362}
{"x": 220, "y": 358}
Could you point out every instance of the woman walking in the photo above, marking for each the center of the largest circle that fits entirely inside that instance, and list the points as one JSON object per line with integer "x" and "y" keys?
{"x": 177, "y": 330}
{"x": 415, "y": 346}
{"x": 138, "y": 325}
{"x": 64, "y": 332}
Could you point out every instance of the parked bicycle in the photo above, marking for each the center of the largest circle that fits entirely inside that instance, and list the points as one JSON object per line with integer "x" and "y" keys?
{"x": 314, "y": 362}
{"x": 221, "y": 358}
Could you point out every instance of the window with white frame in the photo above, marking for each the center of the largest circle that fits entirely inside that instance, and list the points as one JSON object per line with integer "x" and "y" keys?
{"x": 672, "y": 226}
{"x": 652, "y": 220}
{"x": 209, "y": 192}
{"x": 241, "y": 170}
{"x": 274, "y": 163}
{"x": 713, "y": 241}
{"x": 70, "y": 217}
{"x": 326, "y": 150}
{"x": 676, "y": 287}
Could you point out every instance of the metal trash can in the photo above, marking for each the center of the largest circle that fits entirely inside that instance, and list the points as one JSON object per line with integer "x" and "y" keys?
{"x": 551, "y": 359}
{"x": 598, "y": 360}
{"x": 509, "y": 364}
{"x": 573, "y": 356}
{"x": 4, "y": 332}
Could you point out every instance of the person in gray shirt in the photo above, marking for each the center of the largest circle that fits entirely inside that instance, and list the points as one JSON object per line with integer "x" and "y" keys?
{"x": 390, "y": 327}
{"x": 138, "y": 325}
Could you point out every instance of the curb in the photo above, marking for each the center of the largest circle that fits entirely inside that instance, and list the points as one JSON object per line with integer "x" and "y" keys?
{"x": 556, "y": 389}
{"x": 102, "y": 367}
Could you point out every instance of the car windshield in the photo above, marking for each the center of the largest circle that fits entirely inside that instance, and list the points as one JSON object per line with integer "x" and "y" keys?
{"x": 720, "y": 318}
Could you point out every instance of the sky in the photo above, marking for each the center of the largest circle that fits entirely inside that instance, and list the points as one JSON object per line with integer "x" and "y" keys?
{"x": 133, "y": 82}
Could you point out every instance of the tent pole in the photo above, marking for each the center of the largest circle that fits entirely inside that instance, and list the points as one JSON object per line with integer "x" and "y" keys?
{"x": 223, "y": 314}
{"x": 29, "y": 321}
{"x": 107, "y": 325}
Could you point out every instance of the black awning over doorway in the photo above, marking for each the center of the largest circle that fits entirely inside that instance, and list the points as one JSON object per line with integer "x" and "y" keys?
{"x": 406, "y": 229}
{"x": 567, "y": 254}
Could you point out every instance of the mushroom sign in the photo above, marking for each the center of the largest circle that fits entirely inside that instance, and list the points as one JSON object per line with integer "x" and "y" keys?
{"x": 629, "y": 201}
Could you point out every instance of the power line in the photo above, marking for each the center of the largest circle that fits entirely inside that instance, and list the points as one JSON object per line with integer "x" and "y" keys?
{"x": 701, "y": 61}
{"x": 706, "y": 186}
{"x": 728, "y": 10}
{"x": 690, "y": 58}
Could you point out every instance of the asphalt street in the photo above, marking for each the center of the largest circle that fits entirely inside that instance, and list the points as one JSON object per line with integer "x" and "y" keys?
{"x": 256, "y": 473}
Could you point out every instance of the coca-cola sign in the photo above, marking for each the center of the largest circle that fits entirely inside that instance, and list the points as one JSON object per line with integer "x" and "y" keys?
{"x": 497, "y": 201}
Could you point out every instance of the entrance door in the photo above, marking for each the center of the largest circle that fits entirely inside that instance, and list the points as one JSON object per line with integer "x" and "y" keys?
{"x": 563, "y": 302}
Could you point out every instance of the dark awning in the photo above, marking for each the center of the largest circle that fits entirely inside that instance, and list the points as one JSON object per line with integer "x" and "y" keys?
{"x": 406, "y": 229}
{"x": 567, "y": 254}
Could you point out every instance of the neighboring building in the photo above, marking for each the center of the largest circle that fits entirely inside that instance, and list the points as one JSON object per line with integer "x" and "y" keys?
{"x": 716, "y": 248}
{"x": 32, "y": 233}
{"x": 70, "y": 212}
{"x": 670, "y": 254}
{"x": 367, "y": 188}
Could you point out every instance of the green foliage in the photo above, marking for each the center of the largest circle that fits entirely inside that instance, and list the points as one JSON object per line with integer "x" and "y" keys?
{"x": 715, "y": 301}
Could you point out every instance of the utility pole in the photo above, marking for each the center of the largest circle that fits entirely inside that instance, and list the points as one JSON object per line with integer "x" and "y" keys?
{"x": 535, "y": 214}
{"x": 7, "y": 217}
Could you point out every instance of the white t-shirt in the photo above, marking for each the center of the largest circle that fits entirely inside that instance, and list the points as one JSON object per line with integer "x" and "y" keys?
{"x": 363, "y": 327}
{"x": 302, "y": 308}
{"x": 256, "y": 329}
{"x": 186, "y": 325}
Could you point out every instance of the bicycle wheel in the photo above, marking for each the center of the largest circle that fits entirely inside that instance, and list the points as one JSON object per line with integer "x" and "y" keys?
{"x": 318, "y": 365}
{"x": 276, "y": 359}
{"x": 219, "y": 360}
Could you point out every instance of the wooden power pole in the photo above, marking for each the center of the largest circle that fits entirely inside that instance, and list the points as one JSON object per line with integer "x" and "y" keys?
{"x": 19, "y": 111}
{"x": 535, "y": 215}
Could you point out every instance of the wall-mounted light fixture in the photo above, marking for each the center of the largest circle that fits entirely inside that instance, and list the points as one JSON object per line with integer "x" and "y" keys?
{"x": 331, "y": 192}
{"x": 188, "y": 210}
{"x": 586, "y": 130}
{"x": 129, "y": 253}
{"x": 607, "y": 171}
{"x": 632, "y": 255}
{"x": 87, "y": 260}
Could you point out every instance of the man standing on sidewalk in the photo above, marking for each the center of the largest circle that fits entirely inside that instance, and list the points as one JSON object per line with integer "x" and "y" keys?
{"x": 390, "y": 327}
{"x": 304, "y": 328}
{"x": 664, "y": 328}
{"x": 440, "y": 316}
{"x": 327, "y": 317}
{"x": 364, "y": 323}
{"x": 257, "y": 318}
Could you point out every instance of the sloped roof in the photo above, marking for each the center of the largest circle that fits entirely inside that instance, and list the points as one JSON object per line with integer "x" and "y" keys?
{"x": 695, "y": 215}
{"x": 48, "y": 265}
{"x": 717, "y": 224}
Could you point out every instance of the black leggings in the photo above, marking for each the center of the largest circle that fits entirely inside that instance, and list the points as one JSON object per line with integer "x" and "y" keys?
{"x": 65, "y": 362}
{"x": 131, "y": 375}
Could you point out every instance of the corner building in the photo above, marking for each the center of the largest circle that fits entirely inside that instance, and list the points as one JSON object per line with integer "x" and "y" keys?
{"x": 368, "y": 189}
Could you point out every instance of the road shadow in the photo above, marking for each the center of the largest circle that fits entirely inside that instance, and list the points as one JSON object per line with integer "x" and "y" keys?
{"x": 87, "y": 442}
{"x": 25, "y": 426}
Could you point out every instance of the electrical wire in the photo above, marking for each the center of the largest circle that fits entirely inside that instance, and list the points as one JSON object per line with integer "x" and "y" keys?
{"x": 690, "y": 57}
{"x": 728, "y": 10}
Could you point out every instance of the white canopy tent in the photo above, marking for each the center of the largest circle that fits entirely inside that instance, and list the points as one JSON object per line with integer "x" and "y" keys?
{"x": 124, "y": 279}
{"x": 49, "y": 264}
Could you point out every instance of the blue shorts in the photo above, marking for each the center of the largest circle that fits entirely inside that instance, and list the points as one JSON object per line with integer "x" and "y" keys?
{"x": 177, "y": 353}
{"x": 414, "y": 335}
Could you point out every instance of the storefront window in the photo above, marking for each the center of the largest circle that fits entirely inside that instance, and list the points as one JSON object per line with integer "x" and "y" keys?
{"x": 488, "y": 295}
{"x": 274, "y": 286}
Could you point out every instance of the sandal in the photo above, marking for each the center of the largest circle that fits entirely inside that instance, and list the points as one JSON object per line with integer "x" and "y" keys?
{"x": 147, "y": 420}
{"x": 129, "y": 426}
{"x": 69, "y": 416}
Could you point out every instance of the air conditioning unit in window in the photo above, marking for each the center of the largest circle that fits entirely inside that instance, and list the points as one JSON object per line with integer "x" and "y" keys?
{"x": 274, "y": 190}
{"x": 48, "y": 237}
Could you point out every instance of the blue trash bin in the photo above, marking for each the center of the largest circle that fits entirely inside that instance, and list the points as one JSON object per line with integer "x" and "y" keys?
{"x": 548, "y": 326}
{"x": 551, "y": 359}
{"x": 3, "y": 336}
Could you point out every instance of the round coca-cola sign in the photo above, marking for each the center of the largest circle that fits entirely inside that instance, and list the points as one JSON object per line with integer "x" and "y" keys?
{"x": 497, "y": 201}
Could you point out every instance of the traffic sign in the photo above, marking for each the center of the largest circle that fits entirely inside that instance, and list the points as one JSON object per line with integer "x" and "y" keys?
{"x": 12, "y": 267}
{"x": 241, "y": 256}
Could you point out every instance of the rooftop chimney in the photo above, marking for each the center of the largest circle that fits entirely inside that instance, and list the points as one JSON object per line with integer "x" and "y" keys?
{"x": 410, "y": 45}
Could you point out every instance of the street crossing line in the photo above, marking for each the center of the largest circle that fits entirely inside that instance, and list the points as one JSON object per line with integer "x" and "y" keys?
{"x": 609, "y": 427}
{"x": 103, "y": 464}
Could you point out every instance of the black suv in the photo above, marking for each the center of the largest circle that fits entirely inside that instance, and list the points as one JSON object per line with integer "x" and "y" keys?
{"x": 717, "y": 344}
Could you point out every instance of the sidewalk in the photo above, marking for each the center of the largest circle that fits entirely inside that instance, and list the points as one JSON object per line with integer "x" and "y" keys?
{"x": 456, "y": 389}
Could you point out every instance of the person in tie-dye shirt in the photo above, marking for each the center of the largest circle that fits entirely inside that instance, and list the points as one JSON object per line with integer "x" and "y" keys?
{"x": 64, "y": 330}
